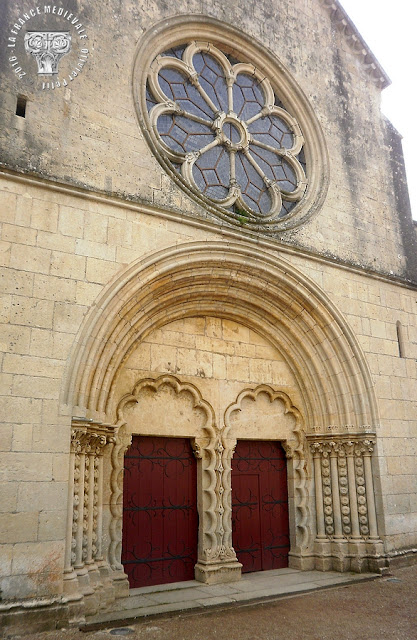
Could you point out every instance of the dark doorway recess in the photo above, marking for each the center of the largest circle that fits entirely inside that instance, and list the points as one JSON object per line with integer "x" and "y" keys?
{"x": 160, "y": 521}
{"x": 260, "y": 505}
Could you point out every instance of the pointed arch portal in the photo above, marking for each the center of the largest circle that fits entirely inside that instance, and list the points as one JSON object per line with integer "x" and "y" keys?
{"x": 331, "y": 495}
{"x": 236, "y": 282}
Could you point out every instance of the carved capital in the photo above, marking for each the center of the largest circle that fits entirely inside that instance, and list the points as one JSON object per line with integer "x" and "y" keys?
{"x": 365, "y": 447}
{"x": 90, "y": 438}
{"x": 87, "y": 442}
{"x": 354, "y": 445}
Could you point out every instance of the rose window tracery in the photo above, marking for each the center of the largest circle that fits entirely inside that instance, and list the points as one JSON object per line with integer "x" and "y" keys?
{"x": 220, "y": 125}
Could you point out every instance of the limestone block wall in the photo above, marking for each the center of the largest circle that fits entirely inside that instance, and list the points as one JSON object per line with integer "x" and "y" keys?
{"x": 211, "y": 352}
{"x": 57, "y": 253}
{"x": 219, "y": 356}
{"x": 52, "y": 274}
{"x": 383, "y": 318}
{"x": 83, "y": 199}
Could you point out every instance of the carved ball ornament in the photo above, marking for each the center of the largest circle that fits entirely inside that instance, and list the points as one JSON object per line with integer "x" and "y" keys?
{"x": 231, "y": 127}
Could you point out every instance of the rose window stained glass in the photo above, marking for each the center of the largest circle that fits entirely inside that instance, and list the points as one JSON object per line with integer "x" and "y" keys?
{"x": 224, "y": 131}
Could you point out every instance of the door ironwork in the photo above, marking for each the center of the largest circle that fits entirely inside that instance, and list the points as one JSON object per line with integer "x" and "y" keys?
{"x": 160, "y": 521}
{"x": 260, "y": 505}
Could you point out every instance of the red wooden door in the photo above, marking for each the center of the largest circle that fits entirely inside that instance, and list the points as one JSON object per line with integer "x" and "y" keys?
{"x": 260, "y": 505}
{"x": 160, "y": 519}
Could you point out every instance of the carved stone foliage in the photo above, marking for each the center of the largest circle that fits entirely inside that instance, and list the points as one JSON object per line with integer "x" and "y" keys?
{"x": 263, "y": 413}
{"x": 85, "y": 441}
{"x": 166, "y": 406}
{"x": 345, "y": 507}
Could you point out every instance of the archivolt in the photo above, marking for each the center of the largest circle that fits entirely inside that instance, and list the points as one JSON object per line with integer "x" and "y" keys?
{"x": 240, "y": 283}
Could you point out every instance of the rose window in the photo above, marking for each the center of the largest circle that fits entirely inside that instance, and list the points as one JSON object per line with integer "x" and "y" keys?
{"x": 224, "y": 131}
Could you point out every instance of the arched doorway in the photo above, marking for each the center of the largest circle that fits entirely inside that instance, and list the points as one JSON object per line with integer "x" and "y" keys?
{"x": 270, "y": 297}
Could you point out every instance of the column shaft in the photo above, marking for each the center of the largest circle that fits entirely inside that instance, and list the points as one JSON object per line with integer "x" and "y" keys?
{"x": 336, "y": 497}
{"x": 319, "y": 497}
{"x": 70, "y": 514}
{"x": 354, "y": 518}
{"x": 90, "y": 512}
{"x": 99, "y": 544}
{"x": 373, "y": 528}
{"x": 80, "y": 521}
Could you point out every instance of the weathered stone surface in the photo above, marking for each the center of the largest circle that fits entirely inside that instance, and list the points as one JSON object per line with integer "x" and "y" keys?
{"x": 112, "y": 274}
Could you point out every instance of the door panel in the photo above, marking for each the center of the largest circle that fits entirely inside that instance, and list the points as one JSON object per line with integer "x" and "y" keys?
{"x": 246, "y": 520}
{"x": 160, "y": 519}
{"x": 260, "y": 505}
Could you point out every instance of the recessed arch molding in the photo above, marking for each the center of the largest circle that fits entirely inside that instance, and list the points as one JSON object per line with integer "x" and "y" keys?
{"x": 241, "y": 283}
{"x": 332, "y": 429}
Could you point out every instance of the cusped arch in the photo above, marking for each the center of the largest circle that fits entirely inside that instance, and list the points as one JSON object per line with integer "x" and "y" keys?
{"x": 205, "y": 441}
{"x": 237, "y": 282}
{"x": 287, "y": 427}
{"x": 291, "y": 432}
{"x": 204, "y": 425}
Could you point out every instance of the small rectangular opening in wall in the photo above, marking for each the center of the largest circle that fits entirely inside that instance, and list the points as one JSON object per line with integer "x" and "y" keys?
{"x": 400, "y": 340}
{"x": 21, "y": 106}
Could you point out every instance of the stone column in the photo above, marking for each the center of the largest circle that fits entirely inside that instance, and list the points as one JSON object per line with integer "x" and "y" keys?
{"x": 349, "y": 447}
{"x": 342, "y": 466}
{"x": 79, "y": 500}
{"x": 337, "y": 517}
{"x": 90, "y": 512}
{"x": 87, "y": 442}
{"x": 71, "y": 586}
{"x": 318, "y": 482}
{"x": 217, "y": 562}
{"x": 99, "y": 534}
{"x": 369, "y": 485}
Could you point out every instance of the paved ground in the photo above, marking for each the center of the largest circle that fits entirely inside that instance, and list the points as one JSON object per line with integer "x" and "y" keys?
{"x": 382, "y": 609}
{"x": 181, "y": 596}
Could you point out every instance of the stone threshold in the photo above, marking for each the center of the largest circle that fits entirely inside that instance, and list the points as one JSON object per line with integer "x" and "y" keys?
{"x": 196, "y": 596}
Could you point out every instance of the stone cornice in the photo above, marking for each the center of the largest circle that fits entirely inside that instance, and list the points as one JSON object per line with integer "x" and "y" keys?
{"x": 356, "y": 43}
{"x": 88, "y": 193}
{"x": 345, "y": 431}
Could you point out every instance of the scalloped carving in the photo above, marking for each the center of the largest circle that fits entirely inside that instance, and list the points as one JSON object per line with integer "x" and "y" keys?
{"x": 167, "y": 407}
{"x": 263, "y": 413}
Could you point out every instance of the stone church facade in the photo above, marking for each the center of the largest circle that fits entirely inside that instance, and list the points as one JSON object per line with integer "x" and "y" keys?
{"x": 206, "y": 243}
